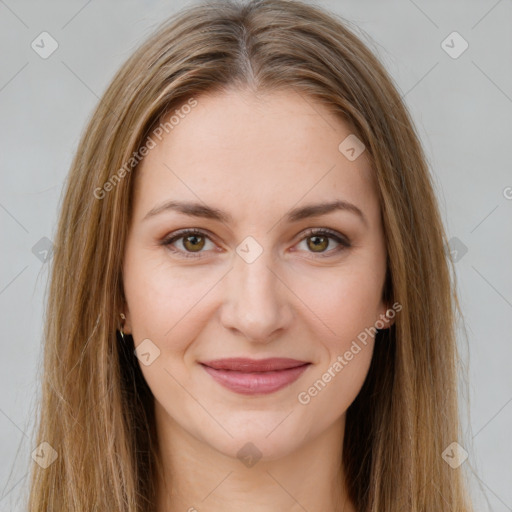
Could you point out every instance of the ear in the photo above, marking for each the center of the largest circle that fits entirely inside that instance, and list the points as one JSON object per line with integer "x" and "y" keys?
{"x": 387, "y": 314}
{"x": 126, "y": 321}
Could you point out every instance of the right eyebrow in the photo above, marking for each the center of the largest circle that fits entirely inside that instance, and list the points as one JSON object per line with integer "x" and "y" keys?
{"x": 191, "y": 209}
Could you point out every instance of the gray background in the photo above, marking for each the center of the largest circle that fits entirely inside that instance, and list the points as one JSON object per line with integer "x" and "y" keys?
{"x": 462, "y": 107}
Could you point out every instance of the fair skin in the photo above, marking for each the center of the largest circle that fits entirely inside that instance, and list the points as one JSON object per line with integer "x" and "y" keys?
{"x": 255, "y": 158}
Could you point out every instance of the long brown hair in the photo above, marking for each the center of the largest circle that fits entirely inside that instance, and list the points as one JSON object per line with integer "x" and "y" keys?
{"x": 97, "y": 410}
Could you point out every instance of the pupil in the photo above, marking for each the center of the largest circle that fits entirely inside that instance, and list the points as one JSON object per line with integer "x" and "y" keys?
{"x": 318, "y": 244}
{"x": 192, "y": 239}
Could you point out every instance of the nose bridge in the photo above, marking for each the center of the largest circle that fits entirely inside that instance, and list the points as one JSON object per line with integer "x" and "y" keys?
{"x": 255, "y": 303}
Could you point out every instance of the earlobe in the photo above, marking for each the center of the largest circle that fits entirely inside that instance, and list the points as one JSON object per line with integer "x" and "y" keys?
{"x": 386, "y": 318}
{"x": 389, "y": 322}
{"x": 125, "y": 323}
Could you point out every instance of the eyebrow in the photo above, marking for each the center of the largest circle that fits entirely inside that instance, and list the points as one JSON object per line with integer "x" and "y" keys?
{"x": 201, "y": 210}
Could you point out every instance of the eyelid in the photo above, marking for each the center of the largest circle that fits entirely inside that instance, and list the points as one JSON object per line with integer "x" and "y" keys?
{"x": 341, "y": 239}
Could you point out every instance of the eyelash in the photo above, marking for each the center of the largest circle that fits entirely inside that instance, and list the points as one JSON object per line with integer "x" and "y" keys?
{"x": 169, "y": 240}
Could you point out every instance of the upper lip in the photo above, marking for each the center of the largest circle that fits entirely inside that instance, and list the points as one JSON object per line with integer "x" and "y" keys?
{"x": 243, "y": 364}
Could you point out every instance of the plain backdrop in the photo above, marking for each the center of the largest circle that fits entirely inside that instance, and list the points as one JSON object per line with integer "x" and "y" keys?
{"x": 461, "y": 104}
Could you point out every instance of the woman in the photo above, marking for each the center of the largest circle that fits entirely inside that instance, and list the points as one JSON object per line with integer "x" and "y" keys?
{"x": 250, "y": 302}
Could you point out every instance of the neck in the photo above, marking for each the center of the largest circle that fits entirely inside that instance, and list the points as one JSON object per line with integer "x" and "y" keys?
{"x": 195, "y": 476}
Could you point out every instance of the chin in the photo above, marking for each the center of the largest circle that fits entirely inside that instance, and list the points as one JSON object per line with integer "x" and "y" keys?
{"x": 250, "y": 449}
{"x": 263, "y": 438}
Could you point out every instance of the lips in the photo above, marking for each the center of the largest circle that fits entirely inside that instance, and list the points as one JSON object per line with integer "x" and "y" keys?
{"x": 255, "y": 376}
{"x": 241, "y": 364}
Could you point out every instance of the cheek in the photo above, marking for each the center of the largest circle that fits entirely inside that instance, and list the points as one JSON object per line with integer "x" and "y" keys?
{"x": 346, "y": 300}
{"x": 164, "y": 302}
{"x": 166, "y": 307}
{"x": 348, "y": 308}
{"x": 333, "y": 388}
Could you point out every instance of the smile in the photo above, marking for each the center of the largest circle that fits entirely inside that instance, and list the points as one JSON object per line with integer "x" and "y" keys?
{"x": 252, "y": 376}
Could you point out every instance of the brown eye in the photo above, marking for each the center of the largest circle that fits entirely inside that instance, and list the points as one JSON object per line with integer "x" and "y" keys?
{"x": 318, "y": 243}
{"x": 193, "y": 243}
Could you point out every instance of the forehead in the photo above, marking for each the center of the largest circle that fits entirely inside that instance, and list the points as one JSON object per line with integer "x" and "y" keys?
{"x": 240, "y": 149}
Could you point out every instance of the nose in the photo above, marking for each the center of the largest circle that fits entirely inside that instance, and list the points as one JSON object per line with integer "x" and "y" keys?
{"x": 256, "y": 303}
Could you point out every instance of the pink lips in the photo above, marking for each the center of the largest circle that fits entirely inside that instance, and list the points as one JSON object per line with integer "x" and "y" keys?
{"x": 255, "y": 376}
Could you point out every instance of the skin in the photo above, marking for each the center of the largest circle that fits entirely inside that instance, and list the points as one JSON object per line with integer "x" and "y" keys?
{"x": 255, "y": 157}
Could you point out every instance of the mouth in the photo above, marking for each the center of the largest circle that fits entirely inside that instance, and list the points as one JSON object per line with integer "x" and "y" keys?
{"x": 255, "y": 376}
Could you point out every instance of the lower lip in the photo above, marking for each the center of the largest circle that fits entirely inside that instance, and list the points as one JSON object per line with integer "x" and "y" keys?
{"x": 257, "y": 382}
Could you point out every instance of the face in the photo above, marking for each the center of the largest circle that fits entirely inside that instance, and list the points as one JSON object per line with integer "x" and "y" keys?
{"x": 260, "y": 277}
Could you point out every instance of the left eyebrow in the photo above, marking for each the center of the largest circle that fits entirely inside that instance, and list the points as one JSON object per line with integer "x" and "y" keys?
{"x": 201, "y": 210}
{"x": 316, "y": 210}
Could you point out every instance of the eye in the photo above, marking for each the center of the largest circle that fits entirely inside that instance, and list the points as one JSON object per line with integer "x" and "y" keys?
{"x": 194, "y": 240}
{"x": 318, "y": 239}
